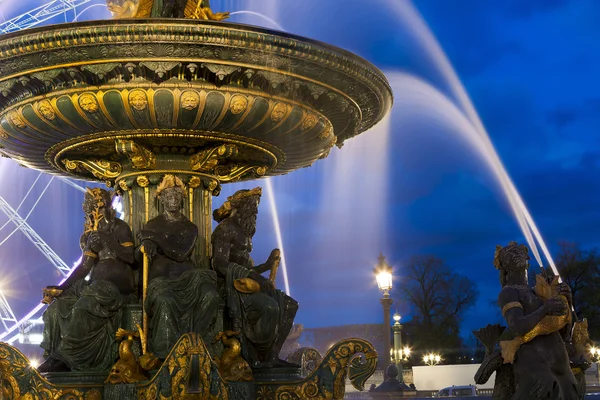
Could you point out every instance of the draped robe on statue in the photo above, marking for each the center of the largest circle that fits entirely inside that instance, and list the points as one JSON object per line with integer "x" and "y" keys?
{"x": 80, "y": 325}
{"x": 181, "y": 298}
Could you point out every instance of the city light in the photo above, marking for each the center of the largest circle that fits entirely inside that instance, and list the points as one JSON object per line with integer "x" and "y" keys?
{"x": 432, "y": 359}
{"x": 595, "y": 352}
{"x": 400, "y": 354}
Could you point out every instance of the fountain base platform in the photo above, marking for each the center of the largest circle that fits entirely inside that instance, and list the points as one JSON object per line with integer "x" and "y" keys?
{"x": 190, "y": 373}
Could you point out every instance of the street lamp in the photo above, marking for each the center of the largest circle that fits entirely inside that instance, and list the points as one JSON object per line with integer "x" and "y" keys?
{"x": 383, "y": 275}
{"x": 432, "y": 359}
{"x": 398, "y": 353}
{"x": 595, "y": 352}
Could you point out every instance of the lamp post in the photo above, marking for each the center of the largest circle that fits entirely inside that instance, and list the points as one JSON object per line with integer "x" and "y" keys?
{"x": 383, "y": 274}
{"x": 398, "y": 356}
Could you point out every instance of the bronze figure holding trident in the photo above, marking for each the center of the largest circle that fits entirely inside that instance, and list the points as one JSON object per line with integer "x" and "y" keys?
{"x": 80, "y": 322}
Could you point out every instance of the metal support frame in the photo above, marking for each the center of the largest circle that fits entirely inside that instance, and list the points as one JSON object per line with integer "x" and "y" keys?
{"x": 6, "y": 313}
{"x": 40, "y": 14}
{"x": 32, "y": 235}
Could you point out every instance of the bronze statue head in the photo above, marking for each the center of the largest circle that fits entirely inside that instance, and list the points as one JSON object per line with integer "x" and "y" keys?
{"x": 241, "y": 199}
{"x": 95, "y": 199}
{"x": 243, "y": 205}
{"x": 171, "y": 193}
{"x": 510, "y": 259}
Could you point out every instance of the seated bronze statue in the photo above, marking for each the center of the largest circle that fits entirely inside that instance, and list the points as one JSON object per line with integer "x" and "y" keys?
{"x": 83, "y": 317}
{"x": 181, "y": 298}
{"x": 262, "y": 314}
{"x": 540, "y": 321}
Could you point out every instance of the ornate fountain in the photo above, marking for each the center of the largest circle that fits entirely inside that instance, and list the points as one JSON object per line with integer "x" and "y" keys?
{"x": 128, "y": 101}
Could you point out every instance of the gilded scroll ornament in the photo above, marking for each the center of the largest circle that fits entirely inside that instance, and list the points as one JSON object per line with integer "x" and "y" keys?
{"x": 232, "y": 173}
{"x": 88, "y": 102}
{"x": 207, "y": 160}
{"x": 355, "y": 357}
{"x": 194, "y": 182}
{"x": 123, "y": 186}
{"x": 15, "y": 119}
{"x": 3, "y": 134}
{"x": 101, "y": 169}
{"x": 190, "y": 100}
{"x": 238, "y": 104}
{"x": 140, "y": 157}
{"x": 138, "y": 99}
{"x": 46, "y": 110}
{"x": 142, "y": 181}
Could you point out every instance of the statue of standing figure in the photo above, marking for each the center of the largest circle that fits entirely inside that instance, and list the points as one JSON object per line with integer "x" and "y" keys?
{"x": 83, "y": 316}
{"x": 540, "y": 322}
{"x": 262, "y": 314}
{"x": 181, "y": 297}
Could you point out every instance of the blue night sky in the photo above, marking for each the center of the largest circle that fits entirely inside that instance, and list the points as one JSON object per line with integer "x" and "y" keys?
{"x": 412, "y": 185}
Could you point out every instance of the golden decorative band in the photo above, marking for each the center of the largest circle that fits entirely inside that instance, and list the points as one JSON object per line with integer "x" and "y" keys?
{"x": 512, "y": 304}
{"x": 127, "y": 244}
{"x": 90, "y": 254}
{"x": 167, "y": 172}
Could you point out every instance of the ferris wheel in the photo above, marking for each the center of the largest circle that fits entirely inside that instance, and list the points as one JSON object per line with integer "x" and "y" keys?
{"x": 12, "y": 327}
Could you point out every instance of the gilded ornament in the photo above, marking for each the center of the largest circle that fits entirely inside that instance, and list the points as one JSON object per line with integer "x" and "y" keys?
{"x": 190, "y": 100}
{"x": 3, "y": 134}
{"x": 16, "y": 119}
{"x": 325, "y": 133}
{"x": 238, "y": 104}
{"x": 199, "y": 9}
{"x": 101, "y": 169}
{"x": 93, "y": 394}
{"x": 123, "y": 186}
{"x": 142, "y": 181}
{"x": 140, "y": 157}
{"x": 232, "y": 366}
{"x": 127, "y": 368}
{"x": 309, "y": 122}
{"x": 138, "y": 99}
{"x": 87, "y": 102}
{"x": 194, "y": 182}
{"x": 46, "y": 109}
{"x": 207, "y": 160}
{"x": 279, "y": 112}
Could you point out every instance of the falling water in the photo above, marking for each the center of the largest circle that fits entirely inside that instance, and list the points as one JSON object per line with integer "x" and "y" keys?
{"x": 273, "y": 203}
{"x": 262, "y": 16}
{"x": 412, "y": 20}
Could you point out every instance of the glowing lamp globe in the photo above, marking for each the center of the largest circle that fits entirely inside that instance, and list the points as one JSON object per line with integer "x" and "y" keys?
{"x": 384, "y": 280}
{"x": 383, "y": 275}
{"x": 397, "y": 317}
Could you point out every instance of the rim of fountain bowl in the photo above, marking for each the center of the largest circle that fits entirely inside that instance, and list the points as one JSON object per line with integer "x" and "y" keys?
{"x": 157, "y": 21}
{"x": 187, "y": 21}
